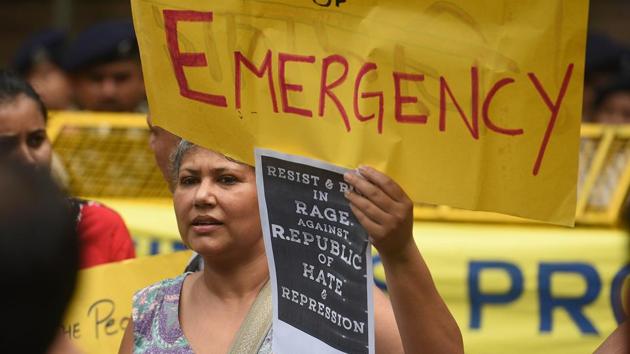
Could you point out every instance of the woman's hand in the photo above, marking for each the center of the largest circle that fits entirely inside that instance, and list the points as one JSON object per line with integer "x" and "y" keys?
{"x": 384, "y": 210}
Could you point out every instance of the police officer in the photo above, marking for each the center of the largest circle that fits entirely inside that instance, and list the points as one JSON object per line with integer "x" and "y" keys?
{"x": 104, "y": 64}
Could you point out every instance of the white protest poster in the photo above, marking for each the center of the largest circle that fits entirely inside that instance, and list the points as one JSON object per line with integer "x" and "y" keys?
{"x": 319, "y": 257}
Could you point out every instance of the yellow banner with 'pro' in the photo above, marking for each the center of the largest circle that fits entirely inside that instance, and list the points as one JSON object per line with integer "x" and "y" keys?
{"x": 517, "y": 289}
{"x": 473, "y": 104}
{"x": 508, "y": 294}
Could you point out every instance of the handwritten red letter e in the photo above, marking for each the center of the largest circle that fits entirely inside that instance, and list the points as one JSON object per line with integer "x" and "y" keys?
{"x": 179, "y": 59}
{"x": 399, "y": 99}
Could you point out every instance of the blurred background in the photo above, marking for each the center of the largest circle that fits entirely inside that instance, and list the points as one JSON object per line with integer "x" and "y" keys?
{"x": 19, "y": 19}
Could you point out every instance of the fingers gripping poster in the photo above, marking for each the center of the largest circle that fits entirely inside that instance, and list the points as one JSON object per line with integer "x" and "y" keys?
{"x": 472, "y": 104}
{"x": 319, "y": 257}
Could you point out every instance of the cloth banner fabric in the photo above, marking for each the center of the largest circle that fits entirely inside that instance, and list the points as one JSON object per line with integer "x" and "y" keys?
{"x": 473, "y": 104}
{"x": 511, "y": 288}
{"x": 516, "y": 289}
{"x": 101, "y": 307}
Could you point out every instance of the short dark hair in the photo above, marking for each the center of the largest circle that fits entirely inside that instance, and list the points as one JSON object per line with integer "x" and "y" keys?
{"x": 39, "y": 258}
{"x": 620, "y": 84}
{"x": 12, "y": 86}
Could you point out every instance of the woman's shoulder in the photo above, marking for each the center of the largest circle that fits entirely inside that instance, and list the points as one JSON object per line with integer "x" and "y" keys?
{"x": 146, "y": 299}
{"x": 155, "y": 315}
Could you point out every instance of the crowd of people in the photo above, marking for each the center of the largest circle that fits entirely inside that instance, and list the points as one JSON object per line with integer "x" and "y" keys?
{"x": 215, "y": 205}
{"x": 212, "y": 302}
{"x": 99, "y": 70}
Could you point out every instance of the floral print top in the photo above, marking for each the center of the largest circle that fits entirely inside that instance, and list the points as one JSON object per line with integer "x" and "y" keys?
{"x": 156, "y": 320}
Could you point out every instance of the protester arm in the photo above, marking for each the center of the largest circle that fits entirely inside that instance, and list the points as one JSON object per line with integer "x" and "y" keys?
{"x": 385, "y": 328}
{"x": 617, "y": 342}
{"x": 382, "y": 207}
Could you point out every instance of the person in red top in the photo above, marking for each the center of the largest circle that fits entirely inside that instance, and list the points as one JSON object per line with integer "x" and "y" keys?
{"x": 103, "y": 236}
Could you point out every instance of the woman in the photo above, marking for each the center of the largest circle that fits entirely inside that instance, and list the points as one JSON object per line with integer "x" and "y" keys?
{"x": 217, "y": 213}
{"x": 103, "y": 236}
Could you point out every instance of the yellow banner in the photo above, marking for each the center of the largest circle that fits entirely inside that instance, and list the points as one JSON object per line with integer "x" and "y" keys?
{"x": 101, "y": 307}
{"x": 473, "y": 104}
{"x": 511, "y": 288}
{"x": 516, "y": 289}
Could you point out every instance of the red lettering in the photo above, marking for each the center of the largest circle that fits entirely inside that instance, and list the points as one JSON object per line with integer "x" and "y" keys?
{"x": 179, "y": 59}
{"x": 473, "y": 126}
{"x": 486, "y": 107}
{"x": 265, "y": 67}
{"x": 553, "y": 107}
{"x": 399, "y": 99}
{"x": 326, "y": 89}
{"x": 285, "y": 87}
{"x": 367, "y": 67}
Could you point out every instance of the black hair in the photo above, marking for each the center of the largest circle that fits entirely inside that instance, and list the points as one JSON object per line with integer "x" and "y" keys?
{"x": 39, "y": 258}
{"x": 621, "y": 84}
{"x": 12, "y": 86}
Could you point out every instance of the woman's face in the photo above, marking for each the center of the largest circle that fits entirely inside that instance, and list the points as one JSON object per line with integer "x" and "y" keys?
{"x": 23, "y": 133}
{"x": 216, "y": 204}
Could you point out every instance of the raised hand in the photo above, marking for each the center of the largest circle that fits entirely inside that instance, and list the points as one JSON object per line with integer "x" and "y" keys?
{"x": 383, "y": 208}
{"x": 386, "y": 212}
